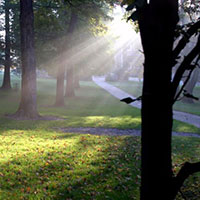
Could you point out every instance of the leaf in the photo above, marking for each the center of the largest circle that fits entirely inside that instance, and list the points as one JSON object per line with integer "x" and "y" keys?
{"x": 129, "y": 100}
{"x": 28, "y": 189}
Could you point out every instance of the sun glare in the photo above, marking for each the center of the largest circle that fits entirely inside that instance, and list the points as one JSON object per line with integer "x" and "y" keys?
{"x": 101, "y": 55}
{"x": 119, "y": 26}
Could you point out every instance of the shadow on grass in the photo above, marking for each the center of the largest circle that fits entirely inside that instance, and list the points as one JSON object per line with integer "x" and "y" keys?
{"x": 74, "y": 166}
{"x": 187, "y": 149}
{"x": 93, "y": 167}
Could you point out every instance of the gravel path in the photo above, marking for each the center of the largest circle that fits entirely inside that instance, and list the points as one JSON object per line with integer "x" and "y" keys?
{"x": 115, "y": 132}
{"x": 118, "y": 93}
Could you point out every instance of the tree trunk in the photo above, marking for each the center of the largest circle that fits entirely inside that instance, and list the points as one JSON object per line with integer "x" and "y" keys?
{"x": 6, "y": 79}
{"x": 60, "y": 86}
{"x": 76, "y": 80}
{"x": 70, "y": 83}
{"x": 69, "y": 92}
{"x": 190, "y": 85}
{"x": 61, "y": 71}
{"x": 157, "y": 24}
{"x": 28, "y": 103}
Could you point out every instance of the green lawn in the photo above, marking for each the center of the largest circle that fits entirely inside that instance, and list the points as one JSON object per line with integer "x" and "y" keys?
{"x": 38, "y": 162}
{"x": 135, "y": 89}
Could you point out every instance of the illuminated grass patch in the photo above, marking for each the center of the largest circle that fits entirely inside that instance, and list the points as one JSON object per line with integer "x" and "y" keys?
{"x": 55, "y": 165}
{"x": 59, "y": 166}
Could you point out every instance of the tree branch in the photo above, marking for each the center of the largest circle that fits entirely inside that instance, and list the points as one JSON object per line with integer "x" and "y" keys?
{"x": 187, "y": 79}
{"x": 187, "y": 170}
{"x": 180, "y": 46}
{"x": 183, "y": 67}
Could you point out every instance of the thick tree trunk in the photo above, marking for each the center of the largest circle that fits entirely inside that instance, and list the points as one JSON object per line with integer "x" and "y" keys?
{"x": 6, "y": 79}
{"x": 28, "y": 104}
{"x": 157, "y": 23}
{"x": 60, "y": 86}
{"x": 69, "y": 92}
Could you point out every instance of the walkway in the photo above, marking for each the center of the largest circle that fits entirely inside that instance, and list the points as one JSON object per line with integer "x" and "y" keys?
{"x": 116, "y": 92}
{"x": 115, "y": 132}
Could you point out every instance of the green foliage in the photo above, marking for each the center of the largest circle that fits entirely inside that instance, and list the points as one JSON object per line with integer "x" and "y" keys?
{"x": 51, "y": 25}
{"x": 136, "y": 6}
{"x": 52, "y": 37}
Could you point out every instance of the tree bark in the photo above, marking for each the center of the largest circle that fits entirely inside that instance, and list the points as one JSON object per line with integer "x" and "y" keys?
{"x": 28, "y": 104}
{"x": 60, "y": 86}
{"x": 69, "y": 92}
{"x": 157, "y": 23}
{"x": 6, "y": 79}
{"x": 77, "y": 80}
{"x": 70, "y": 83}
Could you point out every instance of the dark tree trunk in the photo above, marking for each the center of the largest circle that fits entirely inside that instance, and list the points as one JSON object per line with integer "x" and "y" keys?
{"x": 76, "y": 81}
{"x": 69, "y": 92}
{"x": 190, "y": 85}
{"x": 157, "y": 24}
{"x": 6, "y": 79}
{"x": 70, "y": 83}
{"x": 28, "y": 104}
{"x": 60, "y": 86}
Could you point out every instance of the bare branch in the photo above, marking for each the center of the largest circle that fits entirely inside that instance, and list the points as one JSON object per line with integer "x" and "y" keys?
{"x": 187, "y": 79}
{"x": 190, "y": 32}
{"x": 183, "y": 67}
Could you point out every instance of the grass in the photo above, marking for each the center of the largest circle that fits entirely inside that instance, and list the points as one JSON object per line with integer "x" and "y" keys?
{"x": 92, "y": 107}
{"x": 54, "y": 165}
{"x": 38, "y": 162}
{"x": 135, "y": 89}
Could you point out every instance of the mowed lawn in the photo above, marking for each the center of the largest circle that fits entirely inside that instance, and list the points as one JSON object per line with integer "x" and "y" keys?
{"x": 135, "y": 89}
{"x": 39, "y": 162}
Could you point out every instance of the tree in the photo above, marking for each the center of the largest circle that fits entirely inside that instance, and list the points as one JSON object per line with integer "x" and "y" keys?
{"x": 6, "y": 79}
{"x": 157, "y": 23}
{"x": 80, "y": 10}
{"x": 28, "y": 104}
{"x": 69, "y": 92}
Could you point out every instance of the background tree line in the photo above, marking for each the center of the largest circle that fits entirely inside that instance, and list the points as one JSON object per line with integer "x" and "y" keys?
{"x": 60, "y": 30}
